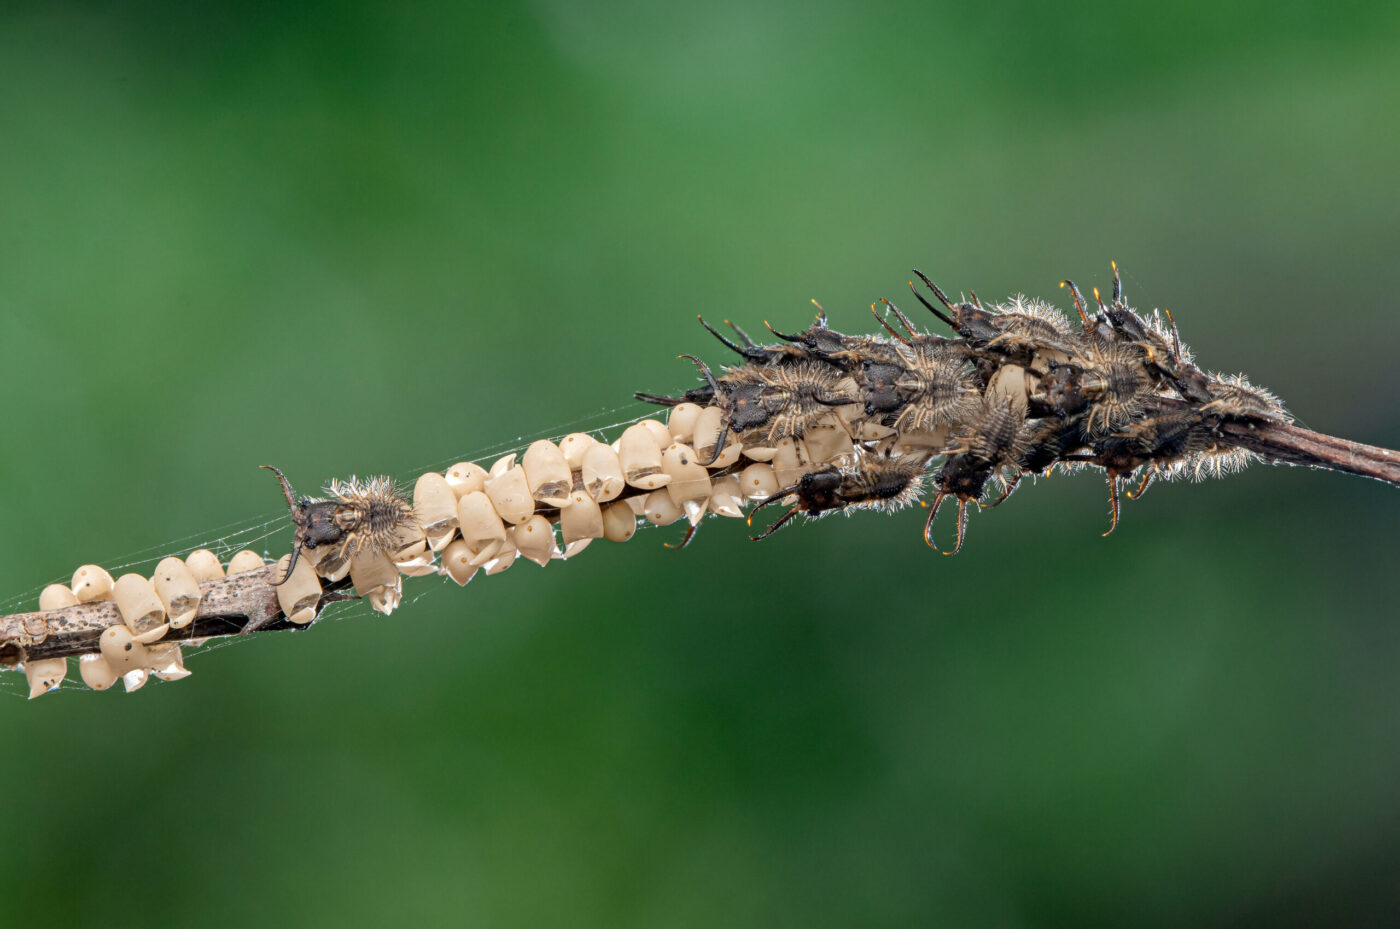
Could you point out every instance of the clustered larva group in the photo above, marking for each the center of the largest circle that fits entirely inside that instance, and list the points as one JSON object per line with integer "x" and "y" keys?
{"x": 1017, "y": 391}
{"x": 821, "y": 422}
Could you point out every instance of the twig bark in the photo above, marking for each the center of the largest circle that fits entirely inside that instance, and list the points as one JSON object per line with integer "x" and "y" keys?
{"x": 1295, "y": 446}
{"x": 227, "y": 605}
{"x": 242, "y": 604}
{"x": 231, "y": 603}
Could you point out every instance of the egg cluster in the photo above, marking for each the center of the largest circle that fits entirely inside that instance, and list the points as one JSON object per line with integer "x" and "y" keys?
{"x": 150, "y": 608}
{"x": 547, "y": 504}
{"x": 819, "y": 421}
{"x": 544, "y": 505}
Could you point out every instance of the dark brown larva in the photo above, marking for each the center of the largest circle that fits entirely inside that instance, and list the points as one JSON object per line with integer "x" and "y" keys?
{"x": 1018, "y": 390}
{"x": 883, "y": 484}
{"x": 362, "y": 516}
{"x": 936, "y": 387}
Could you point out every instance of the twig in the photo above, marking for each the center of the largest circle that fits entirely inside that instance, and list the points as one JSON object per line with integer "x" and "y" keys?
{"x": 229, "y": 604}
{"x": 1295, "y": 446}
{"x": 241, "y": 604}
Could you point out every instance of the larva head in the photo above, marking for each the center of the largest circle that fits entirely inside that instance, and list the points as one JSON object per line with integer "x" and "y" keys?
{"x": 1061, "y": 392}
{"x": 963, "y": 476}
{"x": 878, "y": 382}
{"x": 818, "y": 340}
{"x": 970, "y": 320}
{"x": 747, "y": 406}
{"x": 819, "y": 491}
{"x": 318, "y": 522}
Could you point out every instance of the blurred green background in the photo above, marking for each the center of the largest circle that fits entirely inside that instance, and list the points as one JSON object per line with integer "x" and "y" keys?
{"x": 363, "y": 238}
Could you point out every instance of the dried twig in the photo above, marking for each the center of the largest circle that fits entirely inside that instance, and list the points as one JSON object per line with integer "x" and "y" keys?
{"x": 227, "y": 606}
{"x": 243, "y": 599}
{"x": 1295, "y": 446}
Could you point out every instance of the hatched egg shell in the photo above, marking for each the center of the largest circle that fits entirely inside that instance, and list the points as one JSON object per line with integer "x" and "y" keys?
{"x": 141, "y": 609}
{"x": 96, "y": 672}
{"x": 420, "y": 565}
{"x": 681, "y": 422}
{"x": 168, "y": 662}
{"x": 547, "y": 473}
{"x": 534, "y": 539}
{"x": 828, "y": 442}
{"x": 410, "y": 542}
{"x": 456, "y": 562}
{"x": 934, "y": 440}
{"x": 121, "y": 649}
{"x": 509, "y": 493}
{"x": 758, "y": 482}
{"x": 178, "y": 591}
{"x": 640, "y": 456}
{"x": 660, "y": 509}
{"x": 56, "y": 597}
{"x": 328, "y": 564}
{"x": 689, "y": 479}
{"x": 1011, "y": 385}
{"x": 762, "y": 453}
{"x": 44, "y": 675}
{"x": 136, "y": 679}
{"x": 574, "y": 446}
{"x": 204, "y": 565}
{"x": 726, "y": 499}
{"x": 482, "y": 529}
{"x": 299, "y": 594}
{"x": 601, "y": 472}
{"x": 387, "y": 597}
{"x": 1044, "y": 357}
{"x": 92, "y": 583}
{"x": 871, "y": 431}
{"x": 582, "y": 519}
{"x": 695, "y": 511}
{"x": 483, "y": 558}
{"x": 658, "y": 431}
{"x": 465, "y": 476}
{"x": 372, "y": 570}
{"x": 411, "y": 553}
{"x": 789, "y": 464}
{"x": 435, "y": 508}
{"x": 245, "y": 561}
{"x": 573, "y": 548}
{"x": 619, "y": 522}
{"x": 504, "y": 559}
{"x": 708, "y": 428}
{"x": 501, "y": 465}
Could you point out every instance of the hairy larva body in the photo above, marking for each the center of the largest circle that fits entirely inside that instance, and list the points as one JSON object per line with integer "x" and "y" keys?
{"x": 361, "y": 518}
